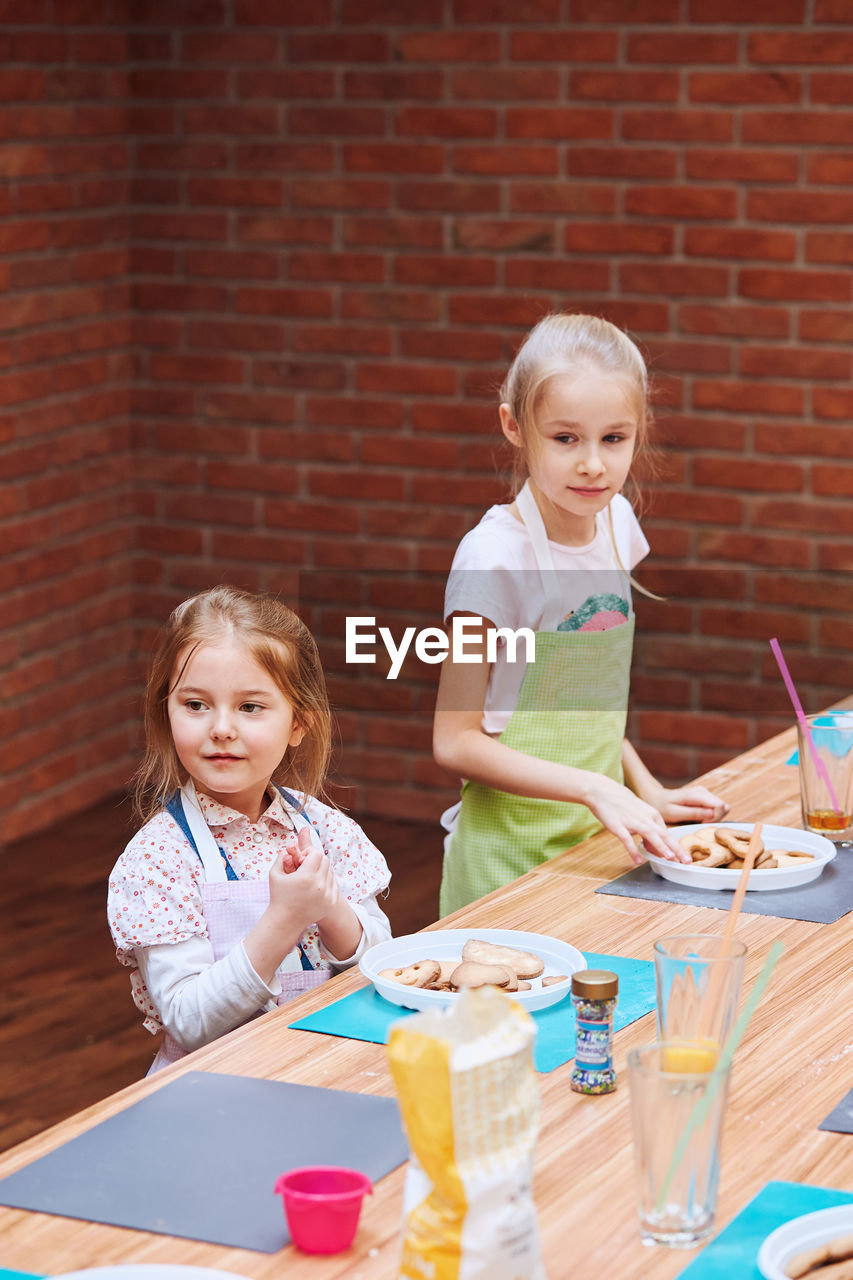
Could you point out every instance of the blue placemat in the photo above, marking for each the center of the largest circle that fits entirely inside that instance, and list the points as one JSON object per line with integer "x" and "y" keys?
{"x": 734, "y": 1252}
{"x": 20, "y": 1275}
{"x": 364, "y": 1015}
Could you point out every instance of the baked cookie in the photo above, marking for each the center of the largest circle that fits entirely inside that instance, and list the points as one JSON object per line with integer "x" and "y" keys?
{"x": 704, "y": 849}
{"x": 791, "y": 857}
{"x": 522, "y": 963}
{"x": 419, "y": 974}
{"x": 471, "y": 973}
{"x": 737, "y": 842}
{"x": 825, "y": 1260}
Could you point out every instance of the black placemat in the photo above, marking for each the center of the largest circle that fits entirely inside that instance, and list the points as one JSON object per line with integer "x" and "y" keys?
{"x": 199, "y": 1158}
{"x": 821, "y": 901}
{"x": 840, "y": 1118}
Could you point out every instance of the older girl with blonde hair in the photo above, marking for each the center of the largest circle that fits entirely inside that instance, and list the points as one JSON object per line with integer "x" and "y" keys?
{"x": 540, "y": 744}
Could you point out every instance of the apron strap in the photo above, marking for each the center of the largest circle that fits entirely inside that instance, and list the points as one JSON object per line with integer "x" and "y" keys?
{"x": 532, "y": 519}
{"x": 184, "y": 809}
{"x": 534, "y": 524}
{"x": 300, "y": 813}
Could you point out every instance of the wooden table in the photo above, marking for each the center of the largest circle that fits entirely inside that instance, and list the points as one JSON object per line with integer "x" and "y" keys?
{"x": 793, "y": 1065}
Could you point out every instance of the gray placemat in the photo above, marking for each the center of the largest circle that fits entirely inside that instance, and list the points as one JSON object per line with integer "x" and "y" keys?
{"x": 822, "y": 901}
{"x": 199, "y": 1158}
{"x": 840, "y": 1118}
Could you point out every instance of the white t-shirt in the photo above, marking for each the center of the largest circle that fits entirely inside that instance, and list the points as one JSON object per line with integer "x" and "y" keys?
{"x": 494, "y": 574}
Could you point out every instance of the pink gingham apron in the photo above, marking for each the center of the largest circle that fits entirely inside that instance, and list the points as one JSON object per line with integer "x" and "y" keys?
{"x": 231, "y": 910}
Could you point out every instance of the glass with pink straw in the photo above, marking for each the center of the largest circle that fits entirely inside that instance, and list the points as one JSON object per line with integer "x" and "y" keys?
{"x": 825, "y": 764}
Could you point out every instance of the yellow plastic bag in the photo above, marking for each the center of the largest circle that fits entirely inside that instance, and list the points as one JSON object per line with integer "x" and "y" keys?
{"x": 470, "y": 1105}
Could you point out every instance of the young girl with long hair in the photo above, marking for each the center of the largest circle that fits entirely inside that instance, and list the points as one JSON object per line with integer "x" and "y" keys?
{"x": 241, "y": 889}
{"x": 540, "y": 745}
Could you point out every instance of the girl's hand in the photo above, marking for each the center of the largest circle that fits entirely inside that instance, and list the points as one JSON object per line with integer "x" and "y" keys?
{"x": 626, "y": 816}
{"x": 295, "y": 850}
{"x": 691, "y": 804}
{"x": 307, "y": 892}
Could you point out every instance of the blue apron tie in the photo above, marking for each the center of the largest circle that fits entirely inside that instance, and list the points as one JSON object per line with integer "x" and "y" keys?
{"x": 176, "y": 811}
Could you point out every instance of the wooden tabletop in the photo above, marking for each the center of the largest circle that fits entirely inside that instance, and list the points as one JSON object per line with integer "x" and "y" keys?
{"x": 792, "y": 1067}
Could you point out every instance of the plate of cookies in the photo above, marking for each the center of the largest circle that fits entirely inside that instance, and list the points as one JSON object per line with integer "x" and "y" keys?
{"x": 813, "y": 1245}
{"x": 427, "y": 970}
{"x": 787, "y": 857}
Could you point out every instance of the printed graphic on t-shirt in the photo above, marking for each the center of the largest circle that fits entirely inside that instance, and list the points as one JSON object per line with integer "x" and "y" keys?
{"x": 597, "y": 613}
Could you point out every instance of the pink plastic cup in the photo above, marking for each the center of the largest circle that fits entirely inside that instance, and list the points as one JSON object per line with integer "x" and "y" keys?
{"x": 322, "y": 1204}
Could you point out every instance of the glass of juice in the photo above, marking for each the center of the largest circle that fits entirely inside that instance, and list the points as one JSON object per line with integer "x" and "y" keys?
{"x": 697, "y": 987}
{"x": 826, "y": 775}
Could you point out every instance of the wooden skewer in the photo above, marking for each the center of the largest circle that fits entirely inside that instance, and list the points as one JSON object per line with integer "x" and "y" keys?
{"x": 737, "y": 900}
{"x": 712, "y": 995}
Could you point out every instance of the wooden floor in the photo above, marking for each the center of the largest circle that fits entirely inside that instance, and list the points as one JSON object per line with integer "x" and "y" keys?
{"x": 69, "y": 1031}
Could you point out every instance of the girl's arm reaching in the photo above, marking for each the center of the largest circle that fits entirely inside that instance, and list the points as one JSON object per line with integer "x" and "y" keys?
{"x": 459, "y": 744}
{"x": 692, "y": 803}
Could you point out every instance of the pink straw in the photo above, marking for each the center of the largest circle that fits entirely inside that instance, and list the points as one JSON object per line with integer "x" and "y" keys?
{"x": 801, "y": 717}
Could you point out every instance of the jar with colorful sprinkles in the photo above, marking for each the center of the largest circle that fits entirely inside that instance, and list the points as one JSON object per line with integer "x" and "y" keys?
{"x": 594, "y": 993}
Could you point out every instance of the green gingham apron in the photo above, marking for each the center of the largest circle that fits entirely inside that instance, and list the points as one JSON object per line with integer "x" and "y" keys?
{"x": 571, "y": 710}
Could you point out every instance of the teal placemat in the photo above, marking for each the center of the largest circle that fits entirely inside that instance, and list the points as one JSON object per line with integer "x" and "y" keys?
{"x": 734, "y": 1252}
{"x": 20, "y": 1275}
{"x": 364, "y": 1015}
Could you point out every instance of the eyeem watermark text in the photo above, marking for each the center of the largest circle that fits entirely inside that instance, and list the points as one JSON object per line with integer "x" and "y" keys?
{"x": 433, "y": 644}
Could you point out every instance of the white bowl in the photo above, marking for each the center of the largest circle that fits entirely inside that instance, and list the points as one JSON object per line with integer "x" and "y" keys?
{"x": 699, "y": 877}
{"x": 800, "y": 1234}
{"x": 447, "y": 944}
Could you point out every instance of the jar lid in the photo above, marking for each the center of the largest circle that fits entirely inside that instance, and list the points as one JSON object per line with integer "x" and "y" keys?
{"x": 595, "y": 984}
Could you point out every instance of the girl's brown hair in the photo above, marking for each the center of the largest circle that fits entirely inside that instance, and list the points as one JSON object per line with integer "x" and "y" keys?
{"x": 572, "y": 344}
{"x": 280, "y": 643}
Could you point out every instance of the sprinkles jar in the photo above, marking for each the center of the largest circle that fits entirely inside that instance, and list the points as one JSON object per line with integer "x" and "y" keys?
{"x": 594, "y": 993}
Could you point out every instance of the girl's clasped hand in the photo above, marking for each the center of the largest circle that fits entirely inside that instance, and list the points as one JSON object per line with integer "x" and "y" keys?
{"x": 540, "y": 744}
{"x": 237, "y": 894}
{"x": 302, "y": 882}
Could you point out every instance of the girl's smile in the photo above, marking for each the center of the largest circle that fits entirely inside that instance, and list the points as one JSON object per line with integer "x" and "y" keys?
{"x": 231, "y": 724}
{"x": 579, "y": 450}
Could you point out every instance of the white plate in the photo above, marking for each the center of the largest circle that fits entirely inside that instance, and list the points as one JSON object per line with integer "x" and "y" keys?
{"x": 149, "y": 1271}
{"x": 699, "y": 877}
{"x": 447, "y": 944}
{"x": 800, "y": 1234}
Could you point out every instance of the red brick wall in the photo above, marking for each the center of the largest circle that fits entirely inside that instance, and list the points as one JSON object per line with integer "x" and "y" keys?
{"x": 66, "y": 500}
{"x": 343, "y": 220}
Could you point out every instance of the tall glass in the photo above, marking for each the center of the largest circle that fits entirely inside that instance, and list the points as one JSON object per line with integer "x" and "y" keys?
{"x": 832, "y": 737}
{"x": 677, "y": 1119}
{"x": 697, "y": 984}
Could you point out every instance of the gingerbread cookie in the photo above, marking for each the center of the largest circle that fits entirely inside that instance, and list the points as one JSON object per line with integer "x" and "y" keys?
{"x": 470, "y": 973}
{"x": 419, "y": 974}
{"x": 826, "y": 1258}
{"x": 737, "y": 842}
{"x": 522, "y": 963}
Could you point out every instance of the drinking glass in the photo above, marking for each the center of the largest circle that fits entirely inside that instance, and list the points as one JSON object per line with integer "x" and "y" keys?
{"x": 832, "y": 736}
{"x": 697, "y": 984}
{"x": 677, "y": 1118}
